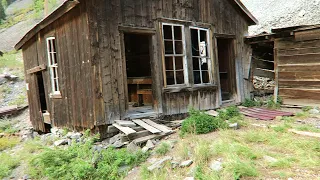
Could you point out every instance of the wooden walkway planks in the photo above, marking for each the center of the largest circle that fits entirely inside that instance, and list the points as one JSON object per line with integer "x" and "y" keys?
{"x": 147, "y": 126}
{"x": 162, "y": 128}
{"x": 125, "y": 130}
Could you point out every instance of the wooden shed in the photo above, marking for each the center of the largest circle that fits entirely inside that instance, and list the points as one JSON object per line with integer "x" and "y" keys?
{"x": 296, "y": 63}
{"x": 91, "y": 62}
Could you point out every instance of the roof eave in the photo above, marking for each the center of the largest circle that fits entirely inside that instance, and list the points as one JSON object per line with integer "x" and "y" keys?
{"x": 251, "y": 18}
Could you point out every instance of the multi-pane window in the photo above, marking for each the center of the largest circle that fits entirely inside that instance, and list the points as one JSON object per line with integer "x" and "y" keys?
{"x": 174, "y": 52}
{"x": 53, "y": 64}
{"x": 200, "y": 55}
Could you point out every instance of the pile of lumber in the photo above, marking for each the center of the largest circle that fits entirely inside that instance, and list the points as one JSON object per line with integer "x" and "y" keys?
{"x": 263, "y": 83}
{"x": 140, "y": 131}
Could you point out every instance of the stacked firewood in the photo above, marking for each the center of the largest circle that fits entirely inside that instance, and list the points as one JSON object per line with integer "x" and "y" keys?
{"x": 263, "y": 83}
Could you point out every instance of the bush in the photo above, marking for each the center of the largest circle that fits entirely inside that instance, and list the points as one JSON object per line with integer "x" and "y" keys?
{"x": 163, "y": 149}
{"x": 7, "y": 164}
{"x": 201, "y": 123}
{"x": 249, "y": 103}
{"x": 82, "y": 161}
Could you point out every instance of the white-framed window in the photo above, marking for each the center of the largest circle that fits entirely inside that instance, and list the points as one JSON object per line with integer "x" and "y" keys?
{"x": 53, "y": 65}
{"x": 200, "y": 43}
{"x": 175, "y": 63}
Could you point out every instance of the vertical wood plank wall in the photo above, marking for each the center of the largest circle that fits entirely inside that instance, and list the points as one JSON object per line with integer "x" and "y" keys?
{"x": 298, "y": 67}
{"x": 90, "y": 60}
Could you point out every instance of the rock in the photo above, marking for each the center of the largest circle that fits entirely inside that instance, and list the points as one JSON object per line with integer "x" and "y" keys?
{"x": 212, "y": 113}
{"x": 234, "y": 126}
{"x": 174, "y": 164}
{"x": 118, "y": 144}
{"x": 115, "y": 139}
{"x": 159, "y": 164}
{"x": 60, "y": 142}
{"x": 54, "y": 130}
{"x": 189, "y": 178}
{"x": 270, "y": 159}
{"x": 216, "y": 165}
{"x": 132, "y": 147}
{"x": 73, "y": 135}
{"x": 318, "y": 126}
{"x": 186, "y": 163}
{"x": 314, "y": 111}
{"x": 150, "y": 144}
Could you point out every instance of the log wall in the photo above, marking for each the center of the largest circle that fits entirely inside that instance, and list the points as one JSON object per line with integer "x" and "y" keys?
{"x": 298, "y": 64}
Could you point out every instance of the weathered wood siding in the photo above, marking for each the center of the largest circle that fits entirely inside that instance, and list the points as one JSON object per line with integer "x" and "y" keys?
{"x": 75, "y": 109}
{"x": 298, "y": 65}
{"x": 105, "y": 17}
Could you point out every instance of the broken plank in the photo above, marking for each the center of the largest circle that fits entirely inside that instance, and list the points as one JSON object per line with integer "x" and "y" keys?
{"x": 125, "y": 123}
{"x": 147, "y": 126}
{"x": 8, "y": 110}
{"x": 150, "y": 137}
{"x": 303, "y": 133}
{"x": 161, "y": 127}
{"x": 125, "y": 130}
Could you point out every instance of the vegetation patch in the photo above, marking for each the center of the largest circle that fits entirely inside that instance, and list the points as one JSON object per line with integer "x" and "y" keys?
{"x": 163, "y": 149}
{"x": 82, "y": 161}
{"x": 8, "y": 142}
{"x": 7, "y": 164}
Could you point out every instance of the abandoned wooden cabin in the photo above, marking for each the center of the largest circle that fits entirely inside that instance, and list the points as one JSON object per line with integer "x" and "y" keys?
{"x": 296, "y": 54}
{"x": 91, "y": 62}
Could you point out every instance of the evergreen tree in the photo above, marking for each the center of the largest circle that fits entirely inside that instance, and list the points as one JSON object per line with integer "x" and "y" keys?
{"x": 2, "y": 13}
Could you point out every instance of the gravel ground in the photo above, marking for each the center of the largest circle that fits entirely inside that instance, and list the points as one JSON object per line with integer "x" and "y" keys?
{"x": 282, "y": 13}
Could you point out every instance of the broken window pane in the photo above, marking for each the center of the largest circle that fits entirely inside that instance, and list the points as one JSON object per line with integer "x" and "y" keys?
{"x": 205, "y": 77}
{"x": 179, "y": 62}
{"x": 203, "y": 35}
{"x": 177, "y": 32}
{"x": 178, "y": 47}
{"x": 167, "y": 32}
{"x": 53, "y": 45}
{"x": 196, "y": 64}
{"x": 168, "y": 47}
{"x": 169, "y": 63}
{"x": 180, "y": 77}
{"x": 196, "y": 76}
{"x": 194, "y": 42}
{"x": 170, "y": 78}
{"x": 204, "y": 64}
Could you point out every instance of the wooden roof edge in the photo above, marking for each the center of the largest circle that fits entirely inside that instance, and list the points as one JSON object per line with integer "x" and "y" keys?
{"x": 65, "y": 7}
{"x": 254, "y": 21}
{"x": 259, "y": 38}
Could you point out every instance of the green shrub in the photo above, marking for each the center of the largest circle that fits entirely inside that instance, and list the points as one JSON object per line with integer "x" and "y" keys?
{"x": 7, "y": 164}
{"x": 8, "y": 142}
{"x": 163, "y": 148}
{"x": 249, "y": 103}
{"x": 306, "y": 108}
{"x": 201, "y": 123}
{"x": 82, "y": 161}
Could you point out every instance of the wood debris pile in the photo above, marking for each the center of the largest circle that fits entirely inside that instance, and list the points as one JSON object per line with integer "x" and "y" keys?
{"x": 139, "y": 131}
{"x": 263, "y": 83}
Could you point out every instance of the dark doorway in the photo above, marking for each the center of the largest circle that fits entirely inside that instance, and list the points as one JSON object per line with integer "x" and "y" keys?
{"x": 226, "y": 68}
{"x": 42, "y": 95}
{"x": 138, "y": 67}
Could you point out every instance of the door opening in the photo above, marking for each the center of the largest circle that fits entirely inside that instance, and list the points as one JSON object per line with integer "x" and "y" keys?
{"x": 226, "y": 68}
{"x": 138, "y": 67}
{"x": 43, "y": 102}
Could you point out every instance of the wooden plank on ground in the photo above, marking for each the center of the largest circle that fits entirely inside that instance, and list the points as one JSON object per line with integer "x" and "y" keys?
{"x": 125, "y": 130}
{"x": 8, "y": 110}
{"x": 125, "y": 123}
{"x": 161, "y": 127}
{"x": 150, "y": 137}
{"x": 147, "y": 126}
{"x": 303, "y": 133}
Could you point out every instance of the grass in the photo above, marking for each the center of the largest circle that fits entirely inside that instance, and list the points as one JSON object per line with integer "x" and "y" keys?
{"x": 242, "y": 154}
{"x": 10, "y": 61}
{"x": 163, "y": 149}
{"x": 8, "y": 142}
{"x": 7, "y": 126}
{"x": 7, "y": 164}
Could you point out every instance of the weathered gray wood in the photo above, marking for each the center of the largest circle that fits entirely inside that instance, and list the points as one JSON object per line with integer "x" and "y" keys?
{"x": 125, "y": 123}
{"x": 161, "y": 127}
{"x": 125, "y": 130}
{"x": 147, "y": 126}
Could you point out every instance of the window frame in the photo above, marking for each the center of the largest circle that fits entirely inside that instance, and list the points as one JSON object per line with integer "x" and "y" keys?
{"x": 183, "y": 55}
{"x": 208, "y": 57}
{"x": 53, "y": 66}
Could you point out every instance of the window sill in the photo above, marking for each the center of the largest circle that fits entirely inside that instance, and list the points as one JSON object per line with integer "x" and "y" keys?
{"x": 55, "y": 96}
{"x": 202, "y": 87}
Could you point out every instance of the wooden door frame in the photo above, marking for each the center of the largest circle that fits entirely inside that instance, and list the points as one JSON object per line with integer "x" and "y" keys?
{"x": 232, "y": 65}
{"x": 151, "y": 33}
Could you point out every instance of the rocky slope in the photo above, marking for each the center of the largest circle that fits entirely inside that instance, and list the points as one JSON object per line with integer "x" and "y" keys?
{"x": 282, "y": 13}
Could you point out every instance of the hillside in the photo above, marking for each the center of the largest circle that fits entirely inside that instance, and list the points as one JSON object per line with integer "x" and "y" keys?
{"x": 282, "y": 13}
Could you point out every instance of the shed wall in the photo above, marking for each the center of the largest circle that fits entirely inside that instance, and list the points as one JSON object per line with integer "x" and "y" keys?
{"x": 298, "y": 68}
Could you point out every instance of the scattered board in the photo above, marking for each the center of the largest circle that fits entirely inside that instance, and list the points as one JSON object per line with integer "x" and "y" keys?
{"x": 147, "y": 126}
{"x": 125, "y": 130}
{"x": 161, "y": 127}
